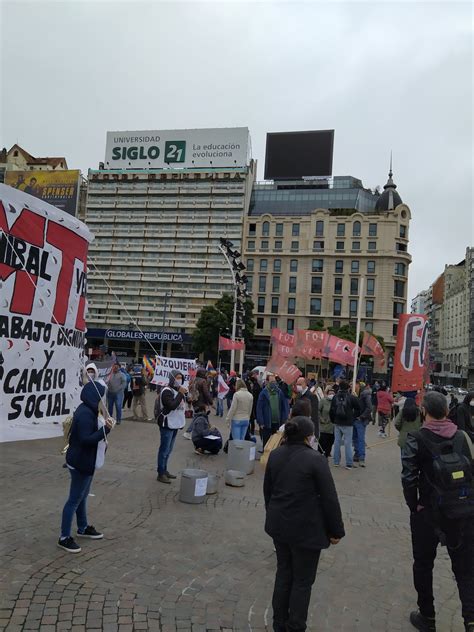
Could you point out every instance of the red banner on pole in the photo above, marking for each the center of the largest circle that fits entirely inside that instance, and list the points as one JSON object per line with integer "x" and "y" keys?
{"x": 288, "y": 372}
{"x": 284, "y": 351}
{"x": 340, "y": 350}
{"x": 226, "y": 344}
{"x": 310, "y": 344}
{"x": 411, "y": 353}
{"x": 371, "y": 346}
{"x": 283, "y": 338}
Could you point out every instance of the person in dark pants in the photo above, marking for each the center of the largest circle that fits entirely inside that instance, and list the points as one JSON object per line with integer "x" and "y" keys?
{"x": 254, "y": 388}
{"x": 430, "y": 523}
{"x": 202, "y": 430}
{"x": 326, "y": 437}
{"x": 128, "y": 394}
{"x": 272, "y": 409}
{"x": 303, "y": 517}
{"x": 170, "y": 420}
{"x": 304, "y": 392}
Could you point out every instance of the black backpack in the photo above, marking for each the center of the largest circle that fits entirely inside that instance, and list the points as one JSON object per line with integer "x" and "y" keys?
{"x": 452, "y": 480}
{"x": 343, "y": 413}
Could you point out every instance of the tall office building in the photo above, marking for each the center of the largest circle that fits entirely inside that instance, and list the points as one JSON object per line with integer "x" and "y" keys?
{"x": 157, "y": 208}
{"x": 470, "y": 308}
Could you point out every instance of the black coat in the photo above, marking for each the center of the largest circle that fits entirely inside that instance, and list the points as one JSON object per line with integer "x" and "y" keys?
{"x": 463, "y": 418}
{"x": 314, "y": 401}
{"x": 300, "y": 498}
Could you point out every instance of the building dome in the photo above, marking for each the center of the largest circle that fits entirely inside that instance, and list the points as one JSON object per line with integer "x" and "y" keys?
{"x": 390, "y": 197}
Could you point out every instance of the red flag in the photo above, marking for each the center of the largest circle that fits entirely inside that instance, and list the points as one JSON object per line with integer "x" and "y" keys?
{"x": 309, "y": 344}
{"x": 340, "y": 350}
{"x": 281, "y": 337}
{"x": 371, "y": 346}
{"x": 227, "y": 344}
{"x": 283, "y": 351}
{"x": 288, "y": 372}
{"x": 411, "y": 353}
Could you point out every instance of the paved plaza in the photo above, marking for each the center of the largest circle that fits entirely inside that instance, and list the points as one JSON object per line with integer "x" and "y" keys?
{"x": 165, "y": 566}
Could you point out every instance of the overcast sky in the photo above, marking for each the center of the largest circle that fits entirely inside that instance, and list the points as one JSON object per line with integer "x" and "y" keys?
{"x": 386, "y": 76}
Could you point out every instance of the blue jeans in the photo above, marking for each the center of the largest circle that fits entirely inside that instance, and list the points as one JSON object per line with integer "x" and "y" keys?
{"x": 117, "y": 399}
{"x": 343, "y": 435}
{"x": 220, "y": 407}
{"x": 239, "y": 429}
{"x": 359, "y": 438}
{"x": 168, "y": 437}
{"x": 76, "y": 503}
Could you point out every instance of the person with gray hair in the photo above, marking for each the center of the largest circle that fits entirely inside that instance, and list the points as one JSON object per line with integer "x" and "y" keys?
{"x": 438, "y": 485}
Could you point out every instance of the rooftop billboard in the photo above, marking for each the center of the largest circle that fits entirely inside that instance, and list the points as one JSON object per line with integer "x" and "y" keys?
{"x": 59, "y": 188}
{"x": 296, "y": 155}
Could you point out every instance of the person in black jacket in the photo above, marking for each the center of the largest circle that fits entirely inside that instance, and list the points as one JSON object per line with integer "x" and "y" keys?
{"x": 81, "y": 458}
{"x": 303, "y": 517}
{"x": 304, "y": 393}
{"x": 463, "y": 415}
{"x": 345, "y": 409}
{"x": 428, "y": 520}
{"x": 254, "y": 387}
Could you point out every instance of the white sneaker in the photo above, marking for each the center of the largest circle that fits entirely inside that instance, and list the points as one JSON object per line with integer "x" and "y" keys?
{"x": 187, "y": 435}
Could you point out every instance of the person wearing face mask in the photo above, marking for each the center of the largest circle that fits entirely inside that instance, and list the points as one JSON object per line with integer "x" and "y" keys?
{"x": 93, "y": 374}
{"x": 272, "y": 408}
{"x": 326, "y": 436}
{"x": 304, "y": 393}
{"x": 171, "y": 419}
{"x": 303, "y": 517}
{"x": 463, "y": 417}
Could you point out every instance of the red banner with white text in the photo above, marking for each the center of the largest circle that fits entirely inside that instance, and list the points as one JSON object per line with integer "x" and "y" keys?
{"x": 226, "y": 344}
{"x": 411, "y": 353}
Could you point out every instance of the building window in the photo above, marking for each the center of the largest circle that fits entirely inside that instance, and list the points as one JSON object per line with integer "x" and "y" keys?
{"x": 372, "y": 230}
{"x": 292, "y": 285}
{"x": 252, "y": 230}
{"x": 339, "y": 266}
{"x": 370, "y": 267}
{"x": 261, "y": 304}
{"x": 356, "y": 229}
{"x": 291, "y": 305}
{"x": 401, "y": 247}
{"x": 295, "y": 246}
{"x": 337, "y": 307}
{"x": 276, "y": 284}
{"x": 400, "y": 269}
{"x": 278, "y": 245}
{"x": 15, "y": 153}
{"x": 354, "y": 267}
{"x": 273, "y": 323}
{"x": 294, "y": 265}
{"x": 370, "y": 287}
{"x": 403, "y": 232}
{"x": 339, "y": 245}
{"x": 369, "y": 309}
{"x": 353, "y": 307}
{"x": 278, "y": 230}
{"x": 369, "y": 326}
{"x": 265, "y": 229}
{"x": 399, "y": 289}
{"x": 277, "y": 265}
{"x": 372, "y": 245}
{"x": 260, "y": 322}
{"x": 262, "y": 284}
{"x": 356, "y": 245}
{"x": 315, "y": 306}
{"x": 341, "y": 230}
{"x": 394, "y": 329}
{"x": 317, "y": 265}
{"x": 295, "y": 230}
{"x": 319, "y": 228}
{"x": 316, "y": 285}
{"x": 336, "y": 324}
{"x": 249, "y": 284}
{"x": 264, "y": 245}
{"x": 354, "y": 286}
{"x": 275, "y": 302}
{"x": 251, "y": 245}
{"x": 263, "y": 265}
{"x": 249, "y": 265}
{"x": 337, "y": 285}
{"x": 290, "y": 325}
{"x": 398, "y": 309}
{"x": 318, "y": 245}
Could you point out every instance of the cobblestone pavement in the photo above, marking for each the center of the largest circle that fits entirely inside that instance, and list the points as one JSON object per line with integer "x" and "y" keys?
{"x": 164, "y": 565}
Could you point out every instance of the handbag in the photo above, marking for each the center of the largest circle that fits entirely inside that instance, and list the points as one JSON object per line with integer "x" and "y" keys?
{"x": 272, "y": 443}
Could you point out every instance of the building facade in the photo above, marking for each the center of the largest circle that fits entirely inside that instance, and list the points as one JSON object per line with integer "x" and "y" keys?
{"x": 420, "y": 303}
{"x": 308, "y": 247}
{"x": 18, "y": 159}
{"x": 154, "y": 262}
{"x": 470, "y": 309}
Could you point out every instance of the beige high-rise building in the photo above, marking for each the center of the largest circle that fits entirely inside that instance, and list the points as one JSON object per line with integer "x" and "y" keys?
{"x": 309, "y": 246}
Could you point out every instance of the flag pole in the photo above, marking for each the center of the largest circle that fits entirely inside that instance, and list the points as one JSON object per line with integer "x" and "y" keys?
{"x": 359, "y": 313}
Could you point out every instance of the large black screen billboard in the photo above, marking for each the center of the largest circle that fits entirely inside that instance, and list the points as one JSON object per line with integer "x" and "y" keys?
{"x": 294, "y": 155}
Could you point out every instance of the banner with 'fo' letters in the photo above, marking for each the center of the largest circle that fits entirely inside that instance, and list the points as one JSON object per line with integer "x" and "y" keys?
{"x": 43, "y": 283}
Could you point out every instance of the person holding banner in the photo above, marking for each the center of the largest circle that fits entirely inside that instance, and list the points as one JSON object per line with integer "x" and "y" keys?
{"x": 171, "y": 419}
{"x": 85, "y": 454}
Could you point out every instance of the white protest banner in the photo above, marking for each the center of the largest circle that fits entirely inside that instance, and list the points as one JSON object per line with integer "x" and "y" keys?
{"x": 43, "y": 283}
{"x": 165, "y": 365}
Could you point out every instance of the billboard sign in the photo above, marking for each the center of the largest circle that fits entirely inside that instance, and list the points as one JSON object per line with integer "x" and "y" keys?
{"x": 181, "y": 149}
{"x": 59, "y": 188}
{"x": 297, "y": 155}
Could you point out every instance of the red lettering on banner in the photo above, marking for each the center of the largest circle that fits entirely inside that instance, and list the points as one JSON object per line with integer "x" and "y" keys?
{"x": 29, "y": 227}
{"x": 72, "y": 247}
{"x": 411, "y": 353}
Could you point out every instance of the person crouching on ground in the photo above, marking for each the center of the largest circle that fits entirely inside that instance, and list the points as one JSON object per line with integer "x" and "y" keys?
{"x": 171, "y": 419}
{"x": 303, "y": 517}
{"x": 85, "y": 454}
{"x": 202, "y": 430}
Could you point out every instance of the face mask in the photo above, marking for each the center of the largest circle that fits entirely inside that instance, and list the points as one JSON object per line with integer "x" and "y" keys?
{"x": 331, "y": 396}
{"x": 272, "y": 386}
{"x": 299, "y": 388}
{"x": 472, "y": 402}
{"x": 91, "y": 375}
{"x": 178, "y": 383}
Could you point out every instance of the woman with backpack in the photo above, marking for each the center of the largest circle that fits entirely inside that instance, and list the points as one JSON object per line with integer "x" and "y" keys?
{"x": 407, "y": 420}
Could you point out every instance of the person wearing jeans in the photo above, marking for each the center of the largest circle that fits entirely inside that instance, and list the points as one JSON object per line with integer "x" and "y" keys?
{"x": 167, "y": 439}
{"x": 345, "y": 409}
{"x": 219, "y": 407}
{"x": 116, "y": 386}
{"x": 240, "y": 411}
{"x": 358, "y": 438}
{"x": 343, "y": 436}
{"x": 170, "y": 420}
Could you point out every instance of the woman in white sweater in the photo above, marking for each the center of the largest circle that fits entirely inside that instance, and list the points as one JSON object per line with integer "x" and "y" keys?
{"x": 240, "y": 411}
